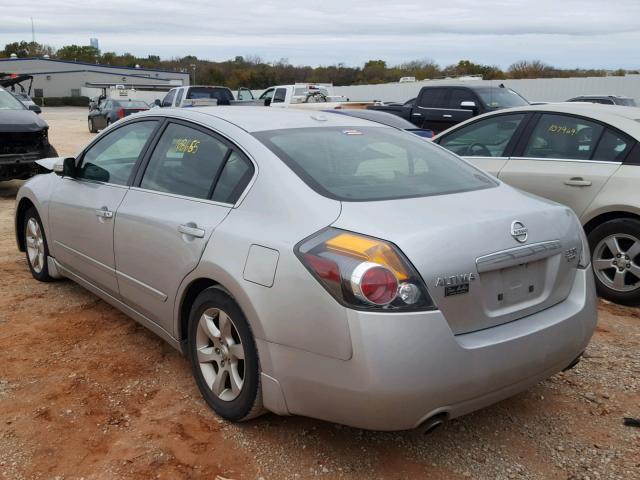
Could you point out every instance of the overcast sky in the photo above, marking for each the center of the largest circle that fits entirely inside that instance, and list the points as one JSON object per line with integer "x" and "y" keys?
{"x": 564, "y": 33}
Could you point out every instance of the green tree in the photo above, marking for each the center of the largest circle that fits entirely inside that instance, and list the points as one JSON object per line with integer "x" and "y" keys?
{"x": 79, "y": 53}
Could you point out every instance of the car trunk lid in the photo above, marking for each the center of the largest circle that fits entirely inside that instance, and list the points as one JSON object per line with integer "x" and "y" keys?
{"x": 479, "y": 274}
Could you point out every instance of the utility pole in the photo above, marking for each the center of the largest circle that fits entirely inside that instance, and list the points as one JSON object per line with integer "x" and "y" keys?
{"x": 33, "y": 32}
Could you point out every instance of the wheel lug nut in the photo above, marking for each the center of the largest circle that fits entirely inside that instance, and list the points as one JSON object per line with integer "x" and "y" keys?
{"x": 628, "y": 265}
{"x": 618, "y": 255}
{"x": 615, "y": 262}
{"x": 621, "y": 269}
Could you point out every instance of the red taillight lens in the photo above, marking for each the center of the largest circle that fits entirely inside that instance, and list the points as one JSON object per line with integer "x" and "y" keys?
{"x": 121, "y": 113}
{"x": 363, "y": 272}
{"x": 374, "y": 283}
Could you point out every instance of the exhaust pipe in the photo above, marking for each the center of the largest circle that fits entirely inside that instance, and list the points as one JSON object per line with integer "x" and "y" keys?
{"x": 430, "y": 424}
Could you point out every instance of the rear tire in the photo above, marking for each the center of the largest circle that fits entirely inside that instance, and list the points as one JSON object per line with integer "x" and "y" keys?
{"x": 615, "y": 256}
{"x": 92, "y": 127}
{"x": 36, "y": 248}
{"x": 223, "y": 356}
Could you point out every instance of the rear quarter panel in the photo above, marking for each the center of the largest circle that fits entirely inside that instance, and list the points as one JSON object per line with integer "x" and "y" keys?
{"x": 277, "y": 213}
{"x": 620, "y": 194}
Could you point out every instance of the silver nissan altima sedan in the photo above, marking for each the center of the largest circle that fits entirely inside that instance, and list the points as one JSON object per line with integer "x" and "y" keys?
{"x": 317, "y": 265}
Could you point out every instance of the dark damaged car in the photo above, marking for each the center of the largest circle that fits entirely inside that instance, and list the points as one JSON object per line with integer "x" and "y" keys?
{"x": 24, "y": 138}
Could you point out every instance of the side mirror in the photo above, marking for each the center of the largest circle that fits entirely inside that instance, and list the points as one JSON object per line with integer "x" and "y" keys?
{"x": 35, "y": 108}
{"x": 267, "y": 101}
{"x": 468, "y": 105}
{"x": 65, "y": 167}
{"x": 157, "y": 102}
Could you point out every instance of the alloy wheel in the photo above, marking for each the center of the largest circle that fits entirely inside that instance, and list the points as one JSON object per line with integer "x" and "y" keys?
{"x": 616, "y": 262}
{"x": 35, "y": 245}
{"x": 220, "y": 354}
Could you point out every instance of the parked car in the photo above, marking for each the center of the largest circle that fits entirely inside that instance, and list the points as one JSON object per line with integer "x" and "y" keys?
{"x": 605, "y": 99}
{"x": 24, "y": 138}
{"x": 316, "y": 264}
{"x": 383, "y": 118}
{"x": 15, "y": 82}
{"x": 109, "y": 111}
{"x": 440, "y": 107}
{"x": 586, "y": 156}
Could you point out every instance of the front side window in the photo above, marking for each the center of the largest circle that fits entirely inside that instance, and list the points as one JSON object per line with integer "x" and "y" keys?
{"x": 370, "y": 163}
{"x": 168, "y": 99}
{"x": 459, "y": 95}
{"x": 267, "y": 94}
{"x": 179, "y": 97}
{"x": 485, "y": 138}
{"x": 185, "y": 162}
{"x": 564, "y": 137}
{"x": 113, "y": 157}
{"x": 9, "y": 102}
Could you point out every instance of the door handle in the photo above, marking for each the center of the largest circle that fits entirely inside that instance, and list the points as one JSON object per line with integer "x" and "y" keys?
{"x": 578, "y": 182}
{"x": 192, "y": 230}
{"x": 416, "y": 114}
{"x": 104, "y": 213}
{"x": 446, "y": 115}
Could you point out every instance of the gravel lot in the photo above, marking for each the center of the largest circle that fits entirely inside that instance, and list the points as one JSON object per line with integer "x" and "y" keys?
{"x": 87, "y": 393}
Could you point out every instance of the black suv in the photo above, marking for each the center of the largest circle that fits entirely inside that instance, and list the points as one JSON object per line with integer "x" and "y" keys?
{"x": 440, "y": 107}
{"x": 24, "y": 138}
{"x": 605, "y": 99}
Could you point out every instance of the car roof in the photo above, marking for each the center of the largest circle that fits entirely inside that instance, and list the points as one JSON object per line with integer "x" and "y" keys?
{"x": 256, "y": 119}
{"x": 601, "y": 96}
{"x": 623, "y": 118}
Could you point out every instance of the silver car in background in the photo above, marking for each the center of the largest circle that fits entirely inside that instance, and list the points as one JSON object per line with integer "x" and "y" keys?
{"x": 317, "y": 264}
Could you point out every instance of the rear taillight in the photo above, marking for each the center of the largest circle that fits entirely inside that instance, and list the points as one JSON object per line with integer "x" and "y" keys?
{"x": 363, "y": 272}
{"x": 121, "y": 113}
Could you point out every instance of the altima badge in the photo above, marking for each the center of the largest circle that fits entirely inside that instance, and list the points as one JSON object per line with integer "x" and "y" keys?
{"x": 519, "y": 231}
{"x": 456, "y": 284}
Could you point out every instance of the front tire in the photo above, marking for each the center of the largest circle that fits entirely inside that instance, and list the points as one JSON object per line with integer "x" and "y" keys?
{"x": 615, "y": 255}
{"x": 92, "y": 127}
{"x": 36, "y": 247}
{"x": 223, "y": 356}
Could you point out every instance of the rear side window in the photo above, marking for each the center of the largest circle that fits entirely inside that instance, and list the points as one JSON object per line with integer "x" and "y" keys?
{"x": 371, "y": 163}
{"x": 235, "y": 177}
{"x": 432, "y": 97}
{"x": 564, "y": 137}
{"x": 612, "y": 147}
{"x": 484, "y": 138}
{"x": 280, "y": 95}
{"x": 185, "y": 162}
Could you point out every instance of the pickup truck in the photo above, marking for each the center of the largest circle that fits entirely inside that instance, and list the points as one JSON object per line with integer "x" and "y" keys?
{"x": 197, "y": 96}
{"x": 318, "y": 96}
{"x": 440, "y": 107}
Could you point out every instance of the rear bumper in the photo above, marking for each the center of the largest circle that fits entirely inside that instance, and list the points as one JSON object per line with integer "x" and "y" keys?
{"x": 406, "y": 368}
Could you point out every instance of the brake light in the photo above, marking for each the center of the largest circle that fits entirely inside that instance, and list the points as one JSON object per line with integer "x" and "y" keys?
{"x": 121, "y": 113}
{"x": 363, "y": 272}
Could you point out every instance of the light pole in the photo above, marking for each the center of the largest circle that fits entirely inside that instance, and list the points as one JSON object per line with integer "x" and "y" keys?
{"x": 193, "y": 65}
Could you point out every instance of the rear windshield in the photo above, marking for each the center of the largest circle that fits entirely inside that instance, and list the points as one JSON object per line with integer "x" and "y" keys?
{"x": 495, "y": 98}
{"x": 223, "y": 95}
{"x": 132, "y": 104}
{"x": 627, "y": 102}
{"x": 369, "y": 163}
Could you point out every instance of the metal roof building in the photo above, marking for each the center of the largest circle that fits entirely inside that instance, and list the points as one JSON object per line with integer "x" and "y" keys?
{"x": 64, "y": 78}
